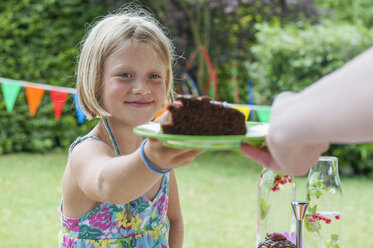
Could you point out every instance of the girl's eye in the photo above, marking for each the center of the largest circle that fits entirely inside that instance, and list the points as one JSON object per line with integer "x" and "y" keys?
{"x": 125, "y": 75}
{"x": 154, "y": 76}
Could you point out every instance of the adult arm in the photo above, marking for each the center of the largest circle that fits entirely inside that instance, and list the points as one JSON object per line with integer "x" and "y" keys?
{"x": 336, "y": 109}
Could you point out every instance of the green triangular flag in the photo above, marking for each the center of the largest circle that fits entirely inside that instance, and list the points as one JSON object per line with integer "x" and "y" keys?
{"x": 10, "y": 92}
{"x": 264, "y": 114}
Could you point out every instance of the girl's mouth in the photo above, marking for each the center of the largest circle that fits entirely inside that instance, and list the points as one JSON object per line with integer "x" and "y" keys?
{"x": 139, "y": 103}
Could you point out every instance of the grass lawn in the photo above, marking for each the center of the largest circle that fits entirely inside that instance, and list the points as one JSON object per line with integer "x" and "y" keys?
{"x": 218, "y": 197}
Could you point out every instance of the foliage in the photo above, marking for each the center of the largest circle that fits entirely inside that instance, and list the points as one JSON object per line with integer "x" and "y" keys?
{"x": 39, "y": 43}
{"x": 357, "y": 12}
{"x": 355, "y": 159}
{"x": 290, "y": 58}
{"x": 225, "y": 28}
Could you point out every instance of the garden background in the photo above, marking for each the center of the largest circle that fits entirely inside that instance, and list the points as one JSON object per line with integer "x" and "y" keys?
{"x": 257, "y": 48}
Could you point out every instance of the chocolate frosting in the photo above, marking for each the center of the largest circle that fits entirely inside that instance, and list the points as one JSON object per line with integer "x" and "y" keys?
{"x": 200, "y": 116}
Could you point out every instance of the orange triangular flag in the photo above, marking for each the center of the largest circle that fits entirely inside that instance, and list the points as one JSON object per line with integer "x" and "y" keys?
{"x": 58, "y": 100}
{"x": 34, "y": 96}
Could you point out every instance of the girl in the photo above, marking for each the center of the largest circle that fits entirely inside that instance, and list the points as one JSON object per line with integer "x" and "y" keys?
{"x": 119, "y": 190}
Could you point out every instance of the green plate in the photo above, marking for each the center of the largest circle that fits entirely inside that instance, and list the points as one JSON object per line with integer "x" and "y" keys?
{"x": 256, "y": 133}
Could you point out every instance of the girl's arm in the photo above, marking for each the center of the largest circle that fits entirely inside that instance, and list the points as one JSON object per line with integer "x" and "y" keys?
{"x": 174, "y": 215}
{"x": 104, "y": 177}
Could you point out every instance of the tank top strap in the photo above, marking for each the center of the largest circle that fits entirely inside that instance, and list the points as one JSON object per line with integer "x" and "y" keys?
{"x": 80, "y": 139}
{"x": 165, "y": 179}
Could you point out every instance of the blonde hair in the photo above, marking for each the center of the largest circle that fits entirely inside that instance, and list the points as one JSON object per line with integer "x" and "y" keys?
{"x": 109, "y": 35}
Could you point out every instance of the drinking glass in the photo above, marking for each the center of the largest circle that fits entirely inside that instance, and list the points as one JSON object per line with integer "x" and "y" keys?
{"x": 274, "y": 213}
{"x": 324, "y": 195}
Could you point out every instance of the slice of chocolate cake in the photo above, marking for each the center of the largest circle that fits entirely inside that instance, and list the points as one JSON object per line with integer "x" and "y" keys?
{"x": 201, "y": 116}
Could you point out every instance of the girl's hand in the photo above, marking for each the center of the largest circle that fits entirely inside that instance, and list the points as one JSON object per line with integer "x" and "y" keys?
{"x": 165, "y": 158}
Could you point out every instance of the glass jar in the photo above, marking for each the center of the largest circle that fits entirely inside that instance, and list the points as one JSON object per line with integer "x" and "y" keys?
{"x": 274, "y": 213}
{"x": 324, "y": 195}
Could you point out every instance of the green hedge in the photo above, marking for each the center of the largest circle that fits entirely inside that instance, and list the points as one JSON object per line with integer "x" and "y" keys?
{"x": 39, "y": 42}
{"x": 356, "y": 11}
{"x": 291, "y": 58}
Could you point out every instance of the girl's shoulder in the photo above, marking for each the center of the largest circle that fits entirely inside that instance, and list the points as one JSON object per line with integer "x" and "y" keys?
{"x": 81, "y": 139}
{"x": 88, "y": 148}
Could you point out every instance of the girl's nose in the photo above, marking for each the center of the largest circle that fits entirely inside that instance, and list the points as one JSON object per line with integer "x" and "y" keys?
{"x": 141, "y": 87}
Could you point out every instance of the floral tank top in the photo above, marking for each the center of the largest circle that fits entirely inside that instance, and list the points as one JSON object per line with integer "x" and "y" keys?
{"x": 141, "y": 223}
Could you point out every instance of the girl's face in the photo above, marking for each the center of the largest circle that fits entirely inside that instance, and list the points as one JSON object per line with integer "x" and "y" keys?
{"x": 134, "y": 80}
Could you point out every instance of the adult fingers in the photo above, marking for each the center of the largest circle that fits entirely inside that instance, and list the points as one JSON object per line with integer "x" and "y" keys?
{"x": 261, "y": 156}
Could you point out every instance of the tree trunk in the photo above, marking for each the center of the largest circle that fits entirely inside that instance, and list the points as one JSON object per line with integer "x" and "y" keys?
{"x": 197, "y": 18}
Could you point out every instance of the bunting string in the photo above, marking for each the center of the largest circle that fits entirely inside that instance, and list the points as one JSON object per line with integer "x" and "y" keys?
{"x": 35, "y": 93}
{"x": 38, "y": 85}
{"x": 58, "y": 96}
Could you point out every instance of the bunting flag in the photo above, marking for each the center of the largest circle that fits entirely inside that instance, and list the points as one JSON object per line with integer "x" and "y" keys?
{"x": 250, "y": 91}
{"x": 34, "y": 96}
{"x": 10, "y": 91}
{"x": 35, "y": 93}
{"x": 58, "y": 99}
{"x": 245, "y": 110}
{"x": 264, "y": 114}
{"x": 79, "y": 112}
{"x": 250, "y": 96}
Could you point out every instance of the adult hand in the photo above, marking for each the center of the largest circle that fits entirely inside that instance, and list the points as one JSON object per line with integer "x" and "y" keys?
{"x": 297, "y": 159}
{"x": 292, "y": 152}
{"x": 260, "y": 155}
{"x": 282, "y": 155}
{"x": 294, "y": 161}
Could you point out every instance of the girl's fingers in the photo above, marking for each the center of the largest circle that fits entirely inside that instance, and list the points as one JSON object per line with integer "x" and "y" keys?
{"x": 187, "y": 157}
{"x": 170, "y": 157}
